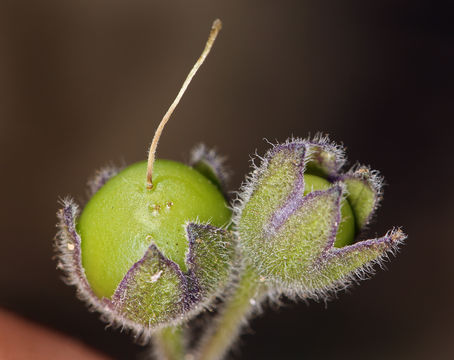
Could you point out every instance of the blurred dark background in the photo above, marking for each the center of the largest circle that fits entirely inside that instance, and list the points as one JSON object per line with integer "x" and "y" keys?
{"x": 83, "y": 83}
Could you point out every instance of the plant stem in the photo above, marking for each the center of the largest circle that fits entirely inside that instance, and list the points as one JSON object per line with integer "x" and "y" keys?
{"x": 227, "y": 326}
{"x": 169, "y": 343}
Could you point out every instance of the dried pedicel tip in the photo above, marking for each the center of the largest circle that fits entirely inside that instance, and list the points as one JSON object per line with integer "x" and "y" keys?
{"x": 298, "y": 217}
{"x": 149, "y": 249}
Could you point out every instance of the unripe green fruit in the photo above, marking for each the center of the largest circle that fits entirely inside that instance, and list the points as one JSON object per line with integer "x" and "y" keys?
{"x": 123, "y": 218}
{"x": 346, "y": 232}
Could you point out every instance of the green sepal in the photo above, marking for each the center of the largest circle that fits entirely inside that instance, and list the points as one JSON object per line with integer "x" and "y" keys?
{"x": 211, "y": 165}
{"x": 280, "y": 175}
{"x": 207, "y": 170}
{"x": 363, "y": 193}
{"x": 324, "y": 158}
{"x": 153, "y": 292}
{"x": 210, "y": 258}
{"x": 284, "y": 251}
{"x": 337, "y": 267}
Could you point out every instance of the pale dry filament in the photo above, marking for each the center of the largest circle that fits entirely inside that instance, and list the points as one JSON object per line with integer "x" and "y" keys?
{"x": 215, "y": 28}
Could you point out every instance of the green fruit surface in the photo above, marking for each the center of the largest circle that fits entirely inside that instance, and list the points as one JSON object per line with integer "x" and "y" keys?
{"x": 123, "y": 218}
{"x": 346, "y": 232}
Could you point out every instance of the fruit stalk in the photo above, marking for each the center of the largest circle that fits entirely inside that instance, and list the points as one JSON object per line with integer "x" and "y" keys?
{"x": 238, "y": 306}
{"x": 169, "y": 343}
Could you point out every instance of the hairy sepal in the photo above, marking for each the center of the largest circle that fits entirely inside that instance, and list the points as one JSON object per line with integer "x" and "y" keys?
{"x": 211, "y": 165}
{"x": 100, "y": 177}
{"x": 153, "y": 292}
{"x": 68, "y": 250}
{"x": 211, "y": 257}
{"x": 337, "y": 268}
{"x": 290, "y": 243}
{"x": 289, "y": 238}
{"x": 364, "y": 192}
{"x": 325, "y": 158}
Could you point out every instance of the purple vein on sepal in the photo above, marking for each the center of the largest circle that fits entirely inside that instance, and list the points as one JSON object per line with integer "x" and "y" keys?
{"x": 69, "y": 213}
{"x": 72, "y": 259}
{"x": 390, "y": 240}
{"x": 194, "y": 287}
{"x": 295, "y": 199}
{"x": 100, "y": 178}
{"x": 309, "y": 198}
{"x": 210, "y": 157}
{"x": 293, "y": 203}
{"x": 338, "y": 216}
{"x": 388, "y": 244}
{"x": 152, "y": 252}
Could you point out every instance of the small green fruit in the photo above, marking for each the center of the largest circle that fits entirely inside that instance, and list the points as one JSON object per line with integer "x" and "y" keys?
{"x": 123, "y": 218}
{"x": 149, "y": 250}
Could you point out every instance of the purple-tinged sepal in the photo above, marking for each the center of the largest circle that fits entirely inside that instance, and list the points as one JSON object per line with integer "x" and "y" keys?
{"x": 210, "y": 259}
{"x": 68, "y": 250}
{"x": 364, "y": 192}
{"x": 337, "y": 268}
{"x": 100, "y": 177}
{"x": 298, "y": 217}
{"x": 153, "y": 292}
{"x": 211, "y": 165}
{"x": 325, "y": 158}
{"x": 291, "y": 245}
{"x": 273, "y": 192}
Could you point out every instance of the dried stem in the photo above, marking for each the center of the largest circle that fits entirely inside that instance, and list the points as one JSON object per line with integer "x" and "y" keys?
{"x": 215, "y": 28}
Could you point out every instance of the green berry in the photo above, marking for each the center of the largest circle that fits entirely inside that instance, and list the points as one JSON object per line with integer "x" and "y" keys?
{"x": 123, "y": 218}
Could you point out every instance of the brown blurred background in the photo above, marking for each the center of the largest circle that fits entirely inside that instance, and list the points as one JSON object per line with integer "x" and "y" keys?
{"x": 83, "y": 83}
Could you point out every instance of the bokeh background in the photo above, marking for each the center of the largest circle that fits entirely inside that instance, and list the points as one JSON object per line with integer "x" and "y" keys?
{"x": 84, "y": 83}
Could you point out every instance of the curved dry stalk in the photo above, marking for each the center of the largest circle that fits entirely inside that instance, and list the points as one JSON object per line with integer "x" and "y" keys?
{"x": 215, "y": 28}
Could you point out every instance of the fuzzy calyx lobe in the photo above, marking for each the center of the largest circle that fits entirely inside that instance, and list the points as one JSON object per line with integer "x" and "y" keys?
{"x": 299, "y": 237}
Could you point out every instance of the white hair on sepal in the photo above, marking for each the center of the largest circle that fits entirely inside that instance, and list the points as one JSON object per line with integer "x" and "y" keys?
{"x": 376, "y": 182}
{"x": 325, "y": 293}
{"x": 320, "y": 140}
{"x": 202, "y": 153}
{"x": 101, "y": 176}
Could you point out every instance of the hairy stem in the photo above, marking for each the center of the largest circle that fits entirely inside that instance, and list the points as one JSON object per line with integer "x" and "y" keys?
{"x": 227, "y": 326}
{"x": 169, "y": 343}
